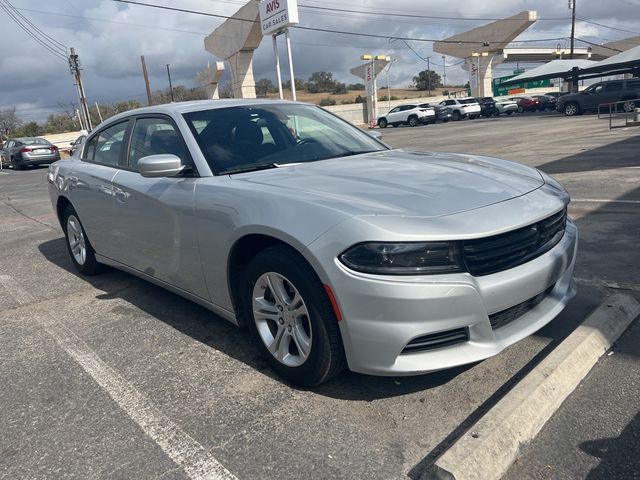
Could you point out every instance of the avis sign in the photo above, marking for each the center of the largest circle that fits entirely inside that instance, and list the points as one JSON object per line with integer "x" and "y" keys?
{"x": 276, "y": 15}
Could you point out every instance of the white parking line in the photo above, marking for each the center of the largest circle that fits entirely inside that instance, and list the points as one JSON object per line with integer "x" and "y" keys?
{"x": 15, "y": 291}
{"x": 183, "y": 449}
{"x": 597, "y": 200}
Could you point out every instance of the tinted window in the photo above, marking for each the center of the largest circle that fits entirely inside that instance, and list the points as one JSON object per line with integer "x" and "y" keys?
{"x": 614, "y": 87}
{"x": 397, "y": 109}
{"x": 154, "y": 136}
{"x": 633, "y": 84}
{"x": 106, "y": 147}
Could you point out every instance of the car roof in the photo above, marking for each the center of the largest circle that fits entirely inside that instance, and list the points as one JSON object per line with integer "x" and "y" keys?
{"x": 198, "y": 105}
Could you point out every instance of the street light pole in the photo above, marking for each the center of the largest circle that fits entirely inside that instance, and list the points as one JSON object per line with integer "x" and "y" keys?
{"x": 170, "y": 85}
{"x": 444, "y": 71}
{"x": 572, "y": 6}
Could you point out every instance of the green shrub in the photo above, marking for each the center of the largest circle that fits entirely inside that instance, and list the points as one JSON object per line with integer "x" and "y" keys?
{"x": 327, "y": 102}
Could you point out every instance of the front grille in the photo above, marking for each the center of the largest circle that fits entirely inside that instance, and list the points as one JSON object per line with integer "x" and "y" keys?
{"x": 505, "y": 317}
{"x": 502, "y": 252}
{"x": 437, "y": 340}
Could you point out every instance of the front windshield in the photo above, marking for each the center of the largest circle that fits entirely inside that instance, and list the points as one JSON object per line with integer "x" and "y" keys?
{"x": 244, "y": 137}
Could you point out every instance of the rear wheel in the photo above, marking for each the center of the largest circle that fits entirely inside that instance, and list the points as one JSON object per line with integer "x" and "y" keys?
{"x": 571, "y": 109}
{"x": 456, "y": 115}
{"x": 16, "y": 164}
{"x": 82, "y": 253}
{"x": 629, "y": 106}
{"x": 520, "y": 109}
{"x": 413, "y": 121}
{"x": 291, "y": 318}
{"x": 382, "y": 123}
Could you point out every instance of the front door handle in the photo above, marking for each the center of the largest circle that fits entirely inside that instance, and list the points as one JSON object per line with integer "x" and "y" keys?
{"x": 120, "y": 194}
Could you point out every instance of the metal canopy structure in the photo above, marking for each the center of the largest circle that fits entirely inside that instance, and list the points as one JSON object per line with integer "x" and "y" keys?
{"x": 625, "y": 62}
{"x": 553, "y": 69}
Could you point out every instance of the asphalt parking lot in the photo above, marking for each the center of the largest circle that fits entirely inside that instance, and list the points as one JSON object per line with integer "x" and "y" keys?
{"x": 112, "y": 377}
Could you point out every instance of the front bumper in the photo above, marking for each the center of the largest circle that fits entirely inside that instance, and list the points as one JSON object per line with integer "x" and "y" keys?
{"x": 381, "y": 315}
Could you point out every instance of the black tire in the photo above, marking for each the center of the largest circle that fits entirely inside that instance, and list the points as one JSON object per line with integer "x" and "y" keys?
{"x": 413, "y": 121}
{"x": 510, "y": 112}
{"x": 326, "y": 358}
{"x": 445, "y": 120}
{"x": 629, "y": 106}
{"x": 571, "y": 109}
{"x": 520, "y": 109}
{"x": 382, "y": 123}
{"x": 15, "y": 164}
{"x": 90, "y": 266}
{"x": 456, "y": 115}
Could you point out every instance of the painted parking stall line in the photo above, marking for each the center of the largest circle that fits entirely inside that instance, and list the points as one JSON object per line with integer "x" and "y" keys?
{"x": 178, "y": 445}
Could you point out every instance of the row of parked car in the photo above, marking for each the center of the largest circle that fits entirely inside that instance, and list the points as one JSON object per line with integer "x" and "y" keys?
{"x": 460, "y": 108}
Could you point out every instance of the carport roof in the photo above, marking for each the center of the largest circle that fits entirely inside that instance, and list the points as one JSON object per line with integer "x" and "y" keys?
{"x": 627, "y": 60}
{"x": 553, "y": 69}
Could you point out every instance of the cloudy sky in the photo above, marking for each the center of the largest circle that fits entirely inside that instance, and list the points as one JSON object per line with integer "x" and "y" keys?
{"x": 111, "y": 36}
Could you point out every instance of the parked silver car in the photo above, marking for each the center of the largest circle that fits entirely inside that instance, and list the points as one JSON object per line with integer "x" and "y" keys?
{"x": 333, "y": 249}
{"x": 25, "y": 151}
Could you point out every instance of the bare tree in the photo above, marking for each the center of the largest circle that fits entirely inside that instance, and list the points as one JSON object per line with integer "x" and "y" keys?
{"x": 9, "y": 121}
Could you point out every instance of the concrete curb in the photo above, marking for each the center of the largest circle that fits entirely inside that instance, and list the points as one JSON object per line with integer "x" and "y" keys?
{"x": 491, "y": 446}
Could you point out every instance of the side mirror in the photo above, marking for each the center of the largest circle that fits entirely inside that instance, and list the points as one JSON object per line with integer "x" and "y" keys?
{"x": 375, "y": 134}
{"x": 164, "y": 165}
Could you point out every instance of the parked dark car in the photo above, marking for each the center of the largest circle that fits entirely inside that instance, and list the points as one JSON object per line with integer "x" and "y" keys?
{"x": 556, "y": 95}
{"x": 76, "y": 144}
{"x": 627, "y": 91}
{"x": 26, "y": 151}
{"x": 487, "y": 106}
{"x": 527, "y": 104}
{"x": 443, "y": 114}
{"x": 547, "y": 102}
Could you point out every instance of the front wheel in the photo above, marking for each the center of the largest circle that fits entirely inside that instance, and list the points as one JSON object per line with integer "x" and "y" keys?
{"x": 82, "y": 253}
{"x": 520, "y": 110}
{"x": 291, "y": 318}
{"x": 382, "y": 123}
{"x": 456, "y": 116}
{"x": 571, "y": 109}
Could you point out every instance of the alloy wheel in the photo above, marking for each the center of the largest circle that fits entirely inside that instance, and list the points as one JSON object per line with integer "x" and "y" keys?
{"x": 570, "y": 110}
{"x": 629, "y": 106}
{"x": 282, "y": 319}
{"x": 76, "y": 240}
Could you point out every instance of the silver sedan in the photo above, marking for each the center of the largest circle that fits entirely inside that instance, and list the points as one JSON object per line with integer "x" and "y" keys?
{"x": 333, "y": 249}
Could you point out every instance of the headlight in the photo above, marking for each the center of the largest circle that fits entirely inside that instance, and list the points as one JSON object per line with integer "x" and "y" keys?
{"x": 403, "y": 258}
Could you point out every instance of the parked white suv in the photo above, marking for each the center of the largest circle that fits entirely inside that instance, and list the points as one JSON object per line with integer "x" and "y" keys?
{"x": 506, "y": 105}
{"x": 411, "y": 115}
{"x": 462, "y": 107}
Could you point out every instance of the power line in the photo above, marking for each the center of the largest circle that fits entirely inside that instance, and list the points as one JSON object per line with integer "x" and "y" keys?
{"x": 30, "y": 32}
{"x": 52, "y": 41}
{"x": 317, "y": 29}
{"x": 608, "y": 26}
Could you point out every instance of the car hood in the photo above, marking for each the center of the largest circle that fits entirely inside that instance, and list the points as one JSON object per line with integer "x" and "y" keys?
{"x": 399, "y": 183}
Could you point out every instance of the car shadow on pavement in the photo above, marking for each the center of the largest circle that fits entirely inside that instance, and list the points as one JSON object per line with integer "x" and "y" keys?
{"x": 614, "y": 155}
{"x": 618, "y": 458}
{"x": 206, "y": 327}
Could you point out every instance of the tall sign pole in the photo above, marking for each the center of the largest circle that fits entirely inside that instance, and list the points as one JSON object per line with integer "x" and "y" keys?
{"x": 572, "y": 6}
{"x": 74, "y": 66}
{"x": 276, "y": 16}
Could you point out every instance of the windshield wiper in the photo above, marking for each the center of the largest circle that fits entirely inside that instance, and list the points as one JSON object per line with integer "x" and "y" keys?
{"x": 249, "y": 168}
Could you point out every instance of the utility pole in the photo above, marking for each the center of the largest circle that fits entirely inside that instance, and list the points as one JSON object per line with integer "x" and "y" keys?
{"x": 170, "y": 85}
{"x": 146, "y": 79}
{"x": 429, "y": 75}
{"x": 572, "y": 6}
{"x": 74, "y": 66}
